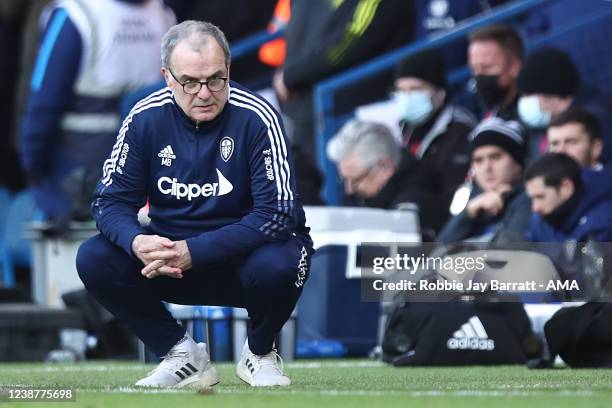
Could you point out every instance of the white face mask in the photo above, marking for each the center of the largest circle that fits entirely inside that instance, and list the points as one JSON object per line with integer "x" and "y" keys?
{"x": 531, "y": 113}
{"x": 414, "y": 106}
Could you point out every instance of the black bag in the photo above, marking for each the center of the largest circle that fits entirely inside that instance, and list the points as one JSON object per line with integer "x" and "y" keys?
{"x": 582, "y": 335}
{"x": 115, "y": 339}
{"x": 459, "y": 333}
{"x": 79, "y": 185}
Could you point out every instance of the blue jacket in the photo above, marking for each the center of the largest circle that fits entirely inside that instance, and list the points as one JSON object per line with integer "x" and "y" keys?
{"x": 592, "y": 218}
{"x": 226, "y": 186}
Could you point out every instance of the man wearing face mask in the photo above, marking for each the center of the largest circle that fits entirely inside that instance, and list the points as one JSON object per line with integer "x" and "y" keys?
{"x": 434, "y": 130}
{"x": 550, "y": 85}
{"x": 495, "y": 57}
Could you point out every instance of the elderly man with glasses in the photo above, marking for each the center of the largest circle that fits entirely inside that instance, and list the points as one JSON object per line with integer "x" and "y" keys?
{"x": 227, "y": 227}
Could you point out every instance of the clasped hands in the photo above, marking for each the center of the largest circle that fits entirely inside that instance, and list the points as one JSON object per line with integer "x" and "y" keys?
{"x": 490, "y": 202}
{"x": 161, "y": 256}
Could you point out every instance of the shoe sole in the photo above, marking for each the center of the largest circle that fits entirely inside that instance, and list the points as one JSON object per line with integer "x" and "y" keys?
{"x": 208, "y": 378}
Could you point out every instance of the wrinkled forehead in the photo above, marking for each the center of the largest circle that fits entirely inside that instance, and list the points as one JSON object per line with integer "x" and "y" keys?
{"x": 198, "y": 53}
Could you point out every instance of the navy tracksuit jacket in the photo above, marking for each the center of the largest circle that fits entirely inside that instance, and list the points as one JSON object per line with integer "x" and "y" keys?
{"x": 226, "y": 186}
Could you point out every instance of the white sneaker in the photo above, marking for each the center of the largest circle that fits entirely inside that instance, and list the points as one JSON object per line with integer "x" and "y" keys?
{"x": 187, "y": 364}
{"x": 261, "y": 371}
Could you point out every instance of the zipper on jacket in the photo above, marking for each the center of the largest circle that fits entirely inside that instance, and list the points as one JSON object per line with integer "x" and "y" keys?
{"x": 197, "y": 171}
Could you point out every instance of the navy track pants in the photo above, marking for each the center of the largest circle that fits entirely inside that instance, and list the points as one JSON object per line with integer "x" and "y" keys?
{"x": 267, "y": 282}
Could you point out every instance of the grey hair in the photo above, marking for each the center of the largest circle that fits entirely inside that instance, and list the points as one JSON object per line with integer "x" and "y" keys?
{"x": 370, "y": 141}
{"x": 185, "y": 30}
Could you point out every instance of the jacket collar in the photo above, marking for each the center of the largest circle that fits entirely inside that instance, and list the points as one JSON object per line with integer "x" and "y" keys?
{"x": 192, "y": 124}
{"x": 402, "y": 178}
{"x": 448, "y": 113}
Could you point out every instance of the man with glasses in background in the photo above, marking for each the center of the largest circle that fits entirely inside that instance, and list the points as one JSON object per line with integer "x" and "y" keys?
{"x": 227, "y": 227}
{"x": 376, "y": 172}
{"x": 367, "y": 158}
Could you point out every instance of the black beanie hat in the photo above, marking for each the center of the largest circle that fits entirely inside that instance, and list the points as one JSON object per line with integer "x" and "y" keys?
{"x": 428, "y": 65}
{"x": 507, "y": 135}
{"x": 549, "y": 71}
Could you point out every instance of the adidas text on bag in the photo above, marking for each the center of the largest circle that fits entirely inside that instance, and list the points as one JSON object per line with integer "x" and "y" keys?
{"x": 471, "y": 336}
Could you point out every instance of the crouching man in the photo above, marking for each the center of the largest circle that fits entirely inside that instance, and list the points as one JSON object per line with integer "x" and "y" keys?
{"x": 227, "y": 227}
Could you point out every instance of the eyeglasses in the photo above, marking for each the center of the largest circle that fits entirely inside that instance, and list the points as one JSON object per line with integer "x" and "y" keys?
{"x": 354, "y": 182}
{"x": 193, "y": 87}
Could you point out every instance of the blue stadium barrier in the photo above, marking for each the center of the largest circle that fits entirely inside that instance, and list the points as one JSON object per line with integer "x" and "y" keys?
{"x": 5, "y": 201}
{"x": 6, "y": 278}
{"x": 15, "y": 248}
{"x": 252, "y": 43}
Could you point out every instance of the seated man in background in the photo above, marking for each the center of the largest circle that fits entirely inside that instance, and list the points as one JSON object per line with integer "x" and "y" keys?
{"x": 431, "y": 129}
{"x": 434, "y": 130}
{"x": 495, "y": 58}
{"x": 577, "y": 134}
{"x": 377, "y": 173}
{"x": 565, "y": 205}
{"x": 371, "y": 165}
{"x": 571, "y": 210}
{"x": 498, "y": 209}
{"x": 550, "y": 85}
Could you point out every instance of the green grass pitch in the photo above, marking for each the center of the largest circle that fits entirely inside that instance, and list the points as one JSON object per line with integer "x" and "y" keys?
{"x": 325, "y": 383}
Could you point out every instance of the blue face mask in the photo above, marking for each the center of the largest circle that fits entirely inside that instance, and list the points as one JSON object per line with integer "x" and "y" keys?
{"x": 414, "y": 106}
{"x": 531, "y": 114}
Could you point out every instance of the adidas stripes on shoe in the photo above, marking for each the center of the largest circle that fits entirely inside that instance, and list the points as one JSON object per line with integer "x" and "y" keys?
{"x": 187, "y": 364}
{"x": 261, "y": 371}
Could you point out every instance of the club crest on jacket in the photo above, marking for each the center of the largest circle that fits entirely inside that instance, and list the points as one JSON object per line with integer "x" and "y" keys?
{"x": 226, "y": 148}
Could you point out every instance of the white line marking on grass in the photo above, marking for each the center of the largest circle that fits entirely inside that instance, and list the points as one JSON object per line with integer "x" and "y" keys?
{"x": 337, "y": 364}
{"x": 136, "y": 390}
{"x": 351, "y": 393}
{"x": 426, "y": 393}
